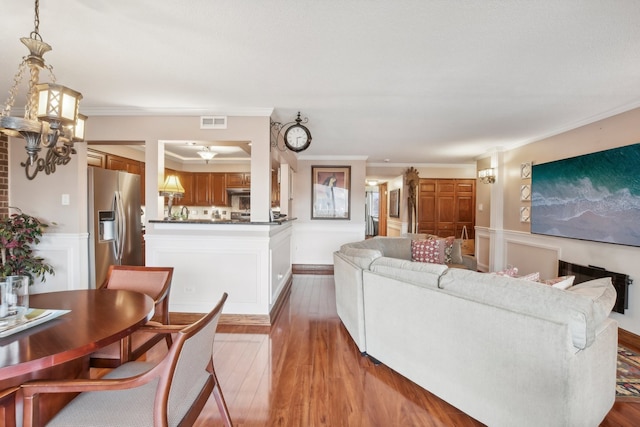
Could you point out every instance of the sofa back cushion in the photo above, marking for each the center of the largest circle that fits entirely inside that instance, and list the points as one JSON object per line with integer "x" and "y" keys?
{"x": 393, "y": 247}
{"x": 360, "y": 256}
{"x": 583, "y": 307}
{"x": 418, "y": 273}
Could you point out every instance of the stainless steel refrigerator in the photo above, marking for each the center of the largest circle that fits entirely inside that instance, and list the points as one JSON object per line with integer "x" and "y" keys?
{"x": 115, "y": 229}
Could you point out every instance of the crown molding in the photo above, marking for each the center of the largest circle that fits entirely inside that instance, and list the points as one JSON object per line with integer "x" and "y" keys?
{"x": 152, "y": 111}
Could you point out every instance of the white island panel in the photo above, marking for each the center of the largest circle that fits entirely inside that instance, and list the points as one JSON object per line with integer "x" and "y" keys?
{"x": 252, "y": 263}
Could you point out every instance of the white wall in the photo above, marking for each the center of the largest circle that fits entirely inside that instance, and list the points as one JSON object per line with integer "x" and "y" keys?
{"x": 315, "y": 240}
{"x": 504, "y": 242}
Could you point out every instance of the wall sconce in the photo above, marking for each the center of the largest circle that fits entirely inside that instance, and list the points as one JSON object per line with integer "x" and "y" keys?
{"x": 487, "y": 176}
{"x": 171, "y": 188}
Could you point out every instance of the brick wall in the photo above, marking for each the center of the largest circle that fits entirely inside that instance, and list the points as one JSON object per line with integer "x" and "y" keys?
{"x": 4, "y": 176}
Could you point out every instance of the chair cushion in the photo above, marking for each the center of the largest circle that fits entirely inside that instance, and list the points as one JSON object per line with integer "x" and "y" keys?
{"x": 134, "y": 406}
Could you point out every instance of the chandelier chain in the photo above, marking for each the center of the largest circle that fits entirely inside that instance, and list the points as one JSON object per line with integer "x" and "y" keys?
{"x": 35, "y": 34}
{"x": 11, "y": 99}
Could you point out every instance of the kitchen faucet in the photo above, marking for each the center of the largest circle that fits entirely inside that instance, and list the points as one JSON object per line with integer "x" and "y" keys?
{"x": 182, "y": 212}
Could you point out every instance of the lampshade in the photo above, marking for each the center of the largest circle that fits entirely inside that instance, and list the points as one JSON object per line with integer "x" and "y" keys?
{"x": 172, "y": 187}
{"x": 57, "y": 103}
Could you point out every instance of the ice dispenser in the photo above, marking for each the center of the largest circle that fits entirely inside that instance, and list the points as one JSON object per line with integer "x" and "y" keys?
{"x": 107, "y": 227}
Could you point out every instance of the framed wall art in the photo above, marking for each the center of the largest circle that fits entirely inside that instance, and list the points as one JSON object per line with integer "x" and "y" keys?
{"x": 330, "y": 192}
{"x": 394, "y": 203}
{"x": 593, "y": 197}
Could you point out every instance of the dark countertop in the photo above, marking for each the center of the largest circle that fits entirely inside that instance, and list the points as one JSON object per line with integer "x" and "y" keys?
{"x": 219, "y": 221}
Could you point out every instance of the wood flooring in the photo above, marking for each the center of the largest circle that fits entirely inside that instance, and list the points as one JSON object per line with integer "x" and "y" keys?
{"x": 306, "y": 371}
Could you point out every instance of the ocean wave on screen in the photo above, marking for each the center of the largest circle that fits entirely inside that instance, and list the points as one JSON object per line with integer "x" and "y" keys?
{"x": 573, "y": 199}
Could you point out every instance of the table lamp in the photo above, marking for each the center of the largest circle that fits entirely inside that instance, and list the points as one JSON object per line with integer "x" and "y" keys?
{"x": 171, "y": 188}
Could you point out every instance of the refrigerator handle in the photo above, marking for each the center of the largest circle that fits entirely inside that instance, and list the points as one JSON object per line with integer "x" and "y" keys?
{"x": 122, "y": 227}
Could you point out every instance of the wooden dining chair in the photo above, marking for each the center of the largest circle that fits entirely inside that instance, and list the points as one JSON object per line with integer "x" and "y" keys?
{"x": 169, "y": 393}
{"x": 153, "y": 281}
{"x": 8, "y": 407}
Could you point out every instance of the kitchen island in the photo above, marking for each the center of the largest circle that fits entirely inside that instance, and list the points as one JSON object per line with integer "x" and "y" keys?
{"x": 249, "y": 260}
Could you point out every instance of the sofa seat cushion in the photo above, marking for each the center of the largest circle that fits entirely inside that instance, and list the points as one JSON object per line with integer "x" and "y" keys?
{"x": 583, "y": 307}
{"x": 418, "y": 273}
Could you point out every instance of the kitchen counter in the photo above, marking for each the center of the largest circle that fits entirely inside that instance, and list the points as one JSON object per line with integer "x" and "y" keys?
{"x": 220, "y": 221}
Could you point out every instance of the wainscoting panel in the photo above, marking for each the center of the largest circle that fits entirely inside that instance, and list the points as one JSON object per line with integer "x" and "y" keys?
{"x": 531, "y": 257}
{"x": 314, "y": 242}
{"x": 68, "y": 254}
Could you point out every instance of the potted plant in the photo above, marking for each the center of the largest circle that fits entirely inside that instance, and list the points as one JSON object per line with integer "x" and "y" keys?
{"x": 18, "y": 233}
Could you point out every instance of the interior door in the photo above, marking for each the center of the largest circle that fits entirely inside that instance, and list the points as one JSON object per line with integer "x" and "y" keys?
{"x": 384, "y": 211}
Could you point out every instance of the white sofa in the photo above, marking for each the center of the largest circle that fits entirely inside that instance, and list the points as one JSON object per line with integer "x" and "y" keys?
{"x": 508, "y": 352}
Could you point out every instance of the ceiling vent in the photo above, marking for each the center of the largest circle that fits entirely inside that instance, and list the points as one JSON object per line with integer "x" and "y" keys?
{"x": 213, "y": 122}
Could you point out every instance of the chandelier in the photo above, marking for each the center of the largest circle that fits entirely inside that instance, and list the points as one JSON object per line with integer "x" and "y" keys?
{"x": 51, "y": 118}
{"x": 206, "y": 154}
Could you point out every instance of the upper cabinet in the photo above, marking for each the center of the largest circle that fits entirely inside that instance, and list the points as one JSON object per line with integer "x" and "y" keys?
{"x": 117, "y": 163}
{"x": 238, "y": 180}
{"x": 200, "y": 188}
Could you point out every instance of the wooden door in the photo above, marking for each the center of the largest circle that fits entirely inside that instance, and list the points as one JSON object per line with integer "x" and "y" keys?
{"x": 427, "y": 206}
{"x": 383, "y": 211}
{"x": 445, "y": 206}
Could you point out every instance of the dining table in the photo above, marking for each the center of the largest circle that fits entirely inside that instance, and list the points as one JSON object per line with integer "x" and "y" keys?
{"x": 81, "y": 322}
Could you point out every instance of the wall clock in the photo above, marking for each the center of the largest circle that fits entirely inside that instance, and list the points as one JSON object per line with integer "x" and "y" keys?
{"x": 297, "y": 137}
{"x": 525, "y": 170}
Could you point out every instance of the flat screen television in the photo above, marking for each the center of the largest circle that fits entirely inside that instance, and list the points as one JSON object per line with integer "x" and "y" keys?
{"x": 591, "y": 197}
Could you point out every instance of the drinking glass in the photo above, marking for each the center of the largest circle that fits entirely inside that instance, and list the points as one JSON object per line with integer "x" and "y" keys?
{"x": 17, "y": 297}
{"x": 4, "y": 307}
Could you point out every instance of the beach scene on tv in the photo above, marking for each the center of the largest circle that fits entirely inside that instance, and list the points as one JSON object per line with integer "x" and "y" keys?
{"x": 592, "y": 197}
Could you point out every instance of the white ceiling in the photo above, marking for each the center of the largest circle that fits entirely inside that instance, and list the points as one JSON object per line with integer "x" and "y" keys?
{"x": 414, "y": 81}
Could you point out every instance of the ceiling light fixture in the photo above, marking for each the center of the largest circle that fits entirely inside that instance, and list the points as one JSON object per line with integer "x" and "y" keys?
{"x": 51, "y": 116}
{"x": 206, "y": 154}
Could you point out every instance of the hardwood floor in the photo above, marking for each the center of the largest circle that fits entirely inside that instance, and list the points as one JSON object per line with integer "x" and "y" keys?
{"x": 306, "y": 371}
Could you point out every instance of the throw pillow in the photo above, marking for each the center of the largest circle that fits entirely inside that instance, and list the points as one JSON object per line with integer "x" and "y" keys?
{"x": 456, "y": 252}
{"x": 428, "y": 251}
{"x": 534, "y": 277}
{"x": 448, "y": 249}
{"x": 562, "y": 282}
{"x": 510, "y": 272}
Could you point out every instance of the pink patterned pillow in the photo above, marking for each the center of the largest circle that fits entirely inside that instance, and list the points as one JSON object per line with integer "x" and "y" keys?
{"x": 562, "y": 282}
{"x": 534, "y": 277}
{"x": 428, "y": 251}
{"x": 511, "y": 272}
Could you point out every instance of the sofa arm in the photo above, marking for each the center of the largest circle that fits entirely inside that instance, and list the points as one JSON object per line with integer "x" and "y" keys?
{"x": 470, "y": 262}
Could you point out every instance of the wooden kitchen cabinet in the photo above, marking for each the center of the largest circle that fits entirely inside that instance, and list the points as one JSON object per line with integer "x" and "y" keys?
{"x": 219, "y": 189}
{"x": 187, "y": 181}
{"x": 238, "y": 179}
{"x": 96, "y": 158}
{"x": 209, "y": 189}
{"x": 445, "y": 206}
{"x": 202, "y": 188}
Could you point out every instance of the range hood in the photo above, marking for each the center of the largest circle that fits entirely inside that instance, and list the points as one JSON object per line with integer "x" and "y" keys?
{"x": 240, "y": 191}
